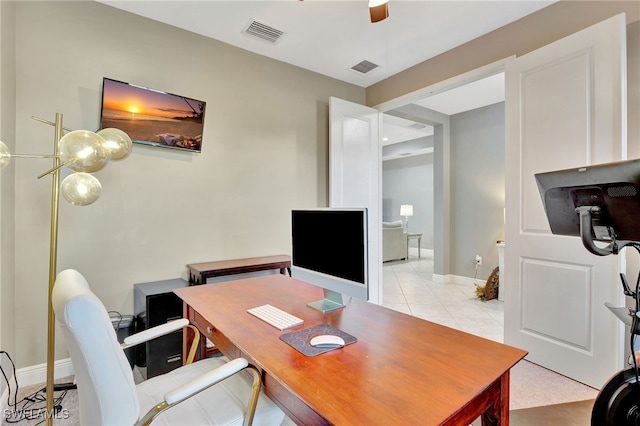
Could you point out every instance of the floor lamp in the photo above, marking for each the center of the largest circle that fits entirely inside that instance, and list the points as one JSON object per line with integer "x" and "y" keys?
{"x": 83, "y": 152}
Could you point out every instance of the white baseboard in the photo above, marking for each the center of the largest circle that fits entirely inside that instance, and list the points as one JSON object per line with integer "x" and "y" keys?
{"x": 443, "y": 279}
{"x": 449, "y": 278}
{"x": 35, "y": 374}
{"x": 424, "y": 253}
{"x": 468, "y": 280}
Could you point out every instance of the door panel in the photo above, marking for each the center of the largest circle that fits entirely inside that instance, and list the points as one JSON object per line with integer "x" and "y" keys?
{"x": 555, "y": 118}
{"x": 571, "y": 282}
{"x": 564, "y": 108}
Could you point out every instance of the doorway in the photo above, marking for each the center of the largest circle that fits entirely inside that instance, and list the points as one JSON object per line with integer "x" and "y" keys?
{"x": 458, "y": 133}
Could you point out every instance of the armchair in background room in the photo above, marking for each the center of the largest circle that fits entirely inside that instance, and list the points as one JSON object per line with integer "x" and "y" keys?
{"x": 394, "y": 241}
{"x": 212, "y": 391}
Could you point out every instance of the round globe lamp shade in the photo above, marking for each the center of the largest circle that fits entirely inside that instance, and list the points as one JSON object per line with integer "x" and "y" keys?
{"x": 80, "y": 189}
{"x": 119, "y": 142}
{"x": 84, "y": 151}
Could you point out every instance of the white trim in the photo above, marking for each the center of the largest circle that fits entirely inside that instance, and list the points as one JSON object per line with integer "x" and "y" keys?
{"x": 413, "y": 153}
{"x": 442, "y": 279}
{"x": 424, "y": 253}
{"x": 428, "y": 253}
{"x": 35, "y": 374}
{"x": 449, "y": 279}
{"x": 468, "y": 280}
{"x": 450, "y": 83}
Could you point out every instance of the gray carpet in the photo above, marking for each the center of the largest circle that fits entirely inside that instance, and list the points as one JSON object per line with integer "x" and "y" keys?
{"x": 568, "y": 414}
{"x": 31, "y": 406}
{"x": 534, "y": 386}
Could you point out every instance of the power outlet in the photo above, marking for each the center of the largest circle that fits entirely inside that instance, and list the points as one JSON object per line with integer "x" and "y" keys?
{"x": 478, "y": 260}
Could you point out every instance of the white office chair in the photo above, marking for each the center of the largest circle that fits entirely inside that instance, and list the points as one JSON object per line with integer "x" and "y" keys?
{"x": 208, "y": 391}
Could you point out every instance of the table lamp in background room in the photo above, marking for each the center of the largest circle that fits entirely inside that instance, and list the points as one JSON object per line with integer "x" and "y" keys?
{"x": 406, "y": 211}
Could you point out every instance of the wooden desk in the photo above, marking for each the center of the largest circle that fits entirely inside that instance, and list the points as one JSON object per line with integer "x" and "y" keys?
{"x": 199, "y": 272}
{"x": 402, "y": 371}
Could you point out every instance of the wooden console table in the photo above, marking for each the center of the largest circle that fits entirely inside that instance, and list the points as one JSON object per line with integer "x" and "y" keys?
{"x": 200, "y": 272}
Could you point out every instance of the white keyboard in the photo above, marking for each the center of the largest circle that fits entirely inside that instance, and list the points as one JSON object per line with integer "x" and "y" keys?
{"x": 275, "y": 317}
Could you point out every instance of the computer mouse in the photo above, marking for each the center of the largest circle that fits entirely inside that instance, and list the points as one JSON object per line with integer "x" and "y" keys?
{"x": 327, "y": 341}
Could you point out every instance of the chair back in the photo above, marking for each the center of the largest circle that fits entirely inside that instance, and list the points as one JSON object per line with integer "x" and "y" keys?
{"x": 106, "y": 389}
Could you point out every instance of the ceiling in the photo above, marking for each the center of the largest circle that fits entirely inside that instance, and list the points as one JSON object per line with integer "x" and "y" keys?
{"x": 477, "y": 94}
{"x": 331, "y": 36}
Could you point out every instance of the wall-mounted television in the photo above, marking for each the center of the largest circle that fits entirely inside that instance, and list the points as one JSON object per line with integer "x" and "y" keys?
{"x": 153, "y": 117}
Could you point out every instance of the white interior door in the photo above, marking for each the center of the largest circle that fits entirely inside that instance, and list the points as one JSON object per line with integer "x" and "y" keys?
{"x": 565, "y": 108}
{"x": 354, "y": 174}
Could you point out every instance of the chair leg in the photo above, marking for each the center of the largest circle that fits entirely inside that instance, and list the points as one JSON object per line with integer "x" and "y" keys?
{"x": 256, "y": 386}
{"x": 195, "y": 343}
{"x": 151, "y": 414}
{"x": 255, "y": 393}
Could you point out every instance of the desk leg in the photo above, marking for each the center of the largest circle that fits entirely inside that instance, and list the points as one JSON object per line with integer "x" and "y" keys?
{"x": 498, "y": 413}
{"x": 419, "y": 243}
{"x": 284, "y": 271}
{"x": 194, "y": 279}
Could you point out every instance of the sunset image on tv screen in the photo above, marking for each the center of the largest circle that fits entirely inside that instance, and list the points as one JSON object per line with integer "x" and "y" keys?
{"x": 153, "y": 117}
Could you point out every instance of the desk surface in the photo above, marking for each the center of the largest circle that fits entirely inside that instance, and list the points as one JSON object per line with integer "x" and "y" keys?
{"x": 402, "y": 370}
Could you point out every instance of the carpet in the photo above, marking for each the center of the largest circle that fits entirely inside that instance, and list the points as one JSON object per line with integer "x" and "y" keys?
{"x": 568, "y": 414}
{"x": 534, "y": 386}
{"x": 29, "y": 406}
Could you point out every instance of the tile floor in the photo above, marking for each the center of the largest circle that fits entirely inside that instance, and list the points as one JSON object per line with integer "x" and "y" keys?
{"x": 408, "y": 287}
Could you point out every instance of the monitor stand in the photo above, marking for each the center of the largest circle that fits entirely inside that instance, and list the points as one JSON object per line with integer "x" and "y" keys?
{"x": 332, "y": 301}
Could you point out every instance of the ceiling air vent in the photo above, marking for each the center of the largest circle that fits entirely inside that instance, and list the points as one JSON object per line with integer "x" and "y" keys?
{"x": 263, "y": 31}
{"x": 364, "y": 67}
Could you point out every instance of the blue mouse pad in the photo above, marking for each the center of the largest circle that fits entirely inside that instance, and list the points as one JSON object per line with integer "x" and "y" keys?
{"x": 299, "y": 339}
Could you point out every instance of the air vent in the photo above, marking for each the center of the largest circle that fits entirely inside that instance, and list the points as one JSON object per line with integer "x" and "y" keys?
{"x": 263, "y": 31}
{"x": 621, "y": 191}
{"x": 364, "y": 67}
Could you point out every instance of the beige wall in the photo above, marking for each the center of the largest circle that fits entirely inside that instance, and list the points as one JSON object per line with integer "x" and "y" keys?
{"x": 265, "y": 150}
{"x": 7, "y": 182}
{"x": 525, "y": 35}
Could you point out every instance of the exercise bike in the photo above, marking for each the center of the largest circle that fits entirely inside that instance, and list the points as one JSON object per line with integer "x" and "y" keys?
{"x": 601, "y": 205}
{"x": 618, "y": 402}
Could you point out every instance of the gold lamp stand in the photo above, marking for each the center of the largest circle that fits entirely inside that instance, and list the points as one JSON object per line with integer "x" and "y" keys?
{"x": 83, "y": 152}
{"x": 53, "y": 262}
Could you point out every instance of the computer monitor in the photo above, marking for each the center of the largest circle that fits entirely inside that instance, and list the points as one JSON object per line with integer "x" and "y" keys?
{"x": 329, "y": 250}
{"x": 597, "y": 203}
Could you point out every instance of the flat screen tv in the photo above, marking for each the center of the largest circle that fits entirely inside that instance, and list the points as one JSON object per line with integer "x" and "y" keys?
{"x": 330, "y": 250}
{"x": 597, "y": 203}
{"x": 153, "y": 117}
